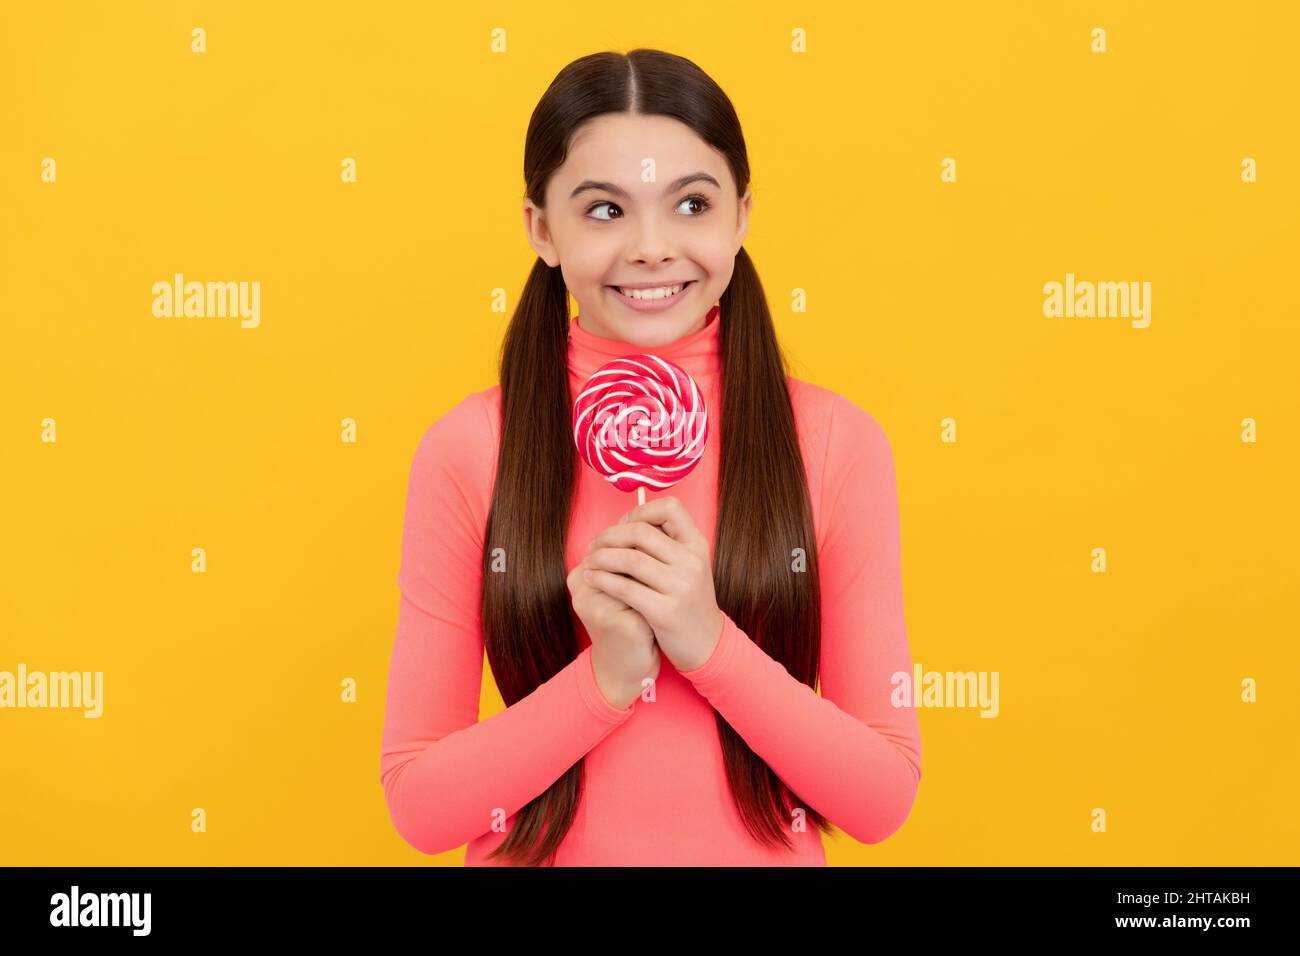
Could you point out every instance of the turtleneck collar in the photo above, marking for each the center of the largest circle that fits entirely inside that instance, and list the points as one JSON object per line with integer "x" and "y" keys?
{"x": 698, "y": 354}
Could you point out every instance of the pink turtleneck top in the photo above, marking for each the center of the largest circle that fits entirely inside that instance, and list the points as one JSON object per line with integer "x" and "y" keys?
{"x": 655, "y": 790}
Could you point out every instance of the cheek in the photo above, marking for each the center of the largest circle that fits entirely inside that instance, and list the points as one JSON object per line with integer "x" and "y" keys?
{"x": 716, "y": 256}
{"x": 584, "y": 269}
{"x": 586, "y": 256}
{"x": 597, "y": 261}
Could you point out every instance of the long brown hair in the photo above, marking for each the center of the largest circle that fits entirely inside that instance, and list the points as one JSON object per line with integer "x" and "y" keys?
{"x": 763, "y": 511}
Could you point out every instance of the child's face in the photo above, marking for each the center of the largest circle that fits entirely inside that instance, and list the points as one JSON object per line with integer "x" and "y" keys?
{"x": 655, "y": 231}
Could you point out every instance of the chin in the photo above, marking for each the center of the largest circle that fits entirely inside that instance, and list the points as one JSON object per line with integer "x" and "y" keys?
{"x": 649, "y": 329}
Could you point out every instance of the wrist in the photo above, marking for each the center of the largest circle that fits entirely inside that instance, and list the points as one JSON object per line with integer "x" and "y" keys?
{"x": 617, "y": 693}
{"x": 708, "y": 648}
{"x": 624, "y": 696}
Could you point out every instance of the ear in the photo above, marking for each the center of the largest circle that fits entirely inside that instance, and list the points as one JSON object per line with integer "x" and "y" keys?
{"x": 538, "y": 233}
{"x": 742, "y": 217}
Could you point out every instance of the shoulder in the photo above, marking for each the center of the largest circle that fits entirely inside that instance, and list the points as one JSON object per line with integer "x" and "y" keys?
{"x": 833, "y": 426}
{"x": 846, "y": 454}
{"x": 467, "y": 421}
{"x": 462, "y": 441}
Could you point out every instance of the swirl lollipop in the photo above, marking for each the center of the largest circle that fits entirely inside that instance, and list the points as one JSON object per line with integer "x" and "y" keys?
{"x": 640, "y": 422}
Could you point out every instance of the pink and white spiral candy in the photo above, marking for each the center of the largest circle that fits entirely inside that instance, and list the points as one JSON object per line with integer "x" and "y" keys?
{"x": 640, "y": 422}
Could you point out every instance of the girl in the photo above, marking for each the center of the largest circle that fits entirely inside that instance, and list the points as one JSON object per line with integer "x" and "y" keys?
{"x": 658, "y": 664}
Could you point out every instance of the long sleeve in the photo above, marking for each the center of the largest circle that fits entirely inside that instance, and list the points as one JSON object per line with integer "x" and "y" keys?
{"x": 447, "y": 776}
{"x": 849, "y": 752}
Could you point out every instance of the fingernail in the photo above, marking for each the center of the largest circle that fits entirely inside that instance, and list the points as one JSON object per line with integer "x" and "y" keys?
{"x": 590, "y": 544}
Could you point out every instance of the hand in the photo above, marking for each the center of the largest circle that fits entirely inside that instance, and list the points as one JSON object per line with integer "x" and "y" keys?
{"x": 669, "y": 577}
{"x": 623, "y": 649}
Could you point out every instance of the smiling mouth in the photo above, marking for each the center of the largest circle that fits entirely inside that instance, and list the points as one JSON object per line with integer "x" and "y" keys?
{"x": 655, "y": 294}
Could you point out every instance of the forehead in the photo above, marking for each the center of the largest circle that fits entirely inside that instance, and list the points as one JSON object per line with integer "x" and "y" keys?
{"x": 615, "y": 146}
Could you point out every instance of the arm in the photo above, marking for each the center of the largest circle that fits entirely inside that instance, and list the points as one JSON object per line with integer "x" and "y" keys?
{"x": 443, "y": 771}
{"x": 849, "y": 752}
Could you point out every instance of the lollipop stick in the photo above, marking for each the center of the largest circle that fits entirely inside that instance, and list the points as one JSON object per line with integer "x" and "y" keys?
{"x": 640, "y": 495}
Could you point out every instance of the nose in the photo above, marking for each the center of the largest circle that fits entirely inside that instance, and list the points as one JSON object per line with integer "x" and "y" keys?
{"x": 653, "y": 243}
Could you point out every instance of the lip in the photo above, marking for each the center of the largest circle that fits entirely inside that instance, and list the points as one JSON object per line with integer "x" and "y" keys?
{"x": 652, "y": 305}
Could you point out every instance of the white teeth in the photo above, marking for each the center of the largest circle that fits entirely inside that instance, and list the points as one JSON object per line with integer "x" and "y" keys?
{"x": 662, "y": 292}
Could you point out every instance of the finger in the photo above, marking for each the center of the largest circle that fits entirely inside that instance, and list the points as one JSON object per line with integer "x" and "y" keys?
{"x": 671, "y": 515}
{"x": 599, "y": 602}
{"x": 653, "y": 573}
{"x": 642, "y": 536}
{"x": 585, "y": 595}
{"x": 631, "y": 592}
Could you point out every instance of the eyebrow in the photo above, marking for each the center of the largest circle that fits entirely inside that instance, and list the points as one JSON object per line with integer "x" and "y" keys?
{"x": 676, "y": 184}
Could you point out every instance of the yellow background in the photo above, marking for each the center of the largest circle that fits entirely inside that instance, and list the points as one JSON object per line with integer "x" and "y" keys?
{"x": 222, "y": 690}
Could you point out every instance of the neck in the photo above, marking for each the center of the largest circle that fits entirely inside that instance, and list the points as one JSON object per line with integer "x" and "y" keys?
{"x": 697, "y": 353}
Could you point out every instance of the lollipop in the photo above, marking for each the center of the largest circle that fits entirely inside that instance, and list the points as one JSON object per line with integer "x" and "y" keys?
{"x": 640, "y": 422}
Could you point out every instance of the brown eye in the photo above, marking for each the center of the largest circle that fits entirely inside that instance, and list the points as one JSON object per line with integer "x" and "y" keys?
{"x": 604, "y": 202}
{"x": 702, "y": 200}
